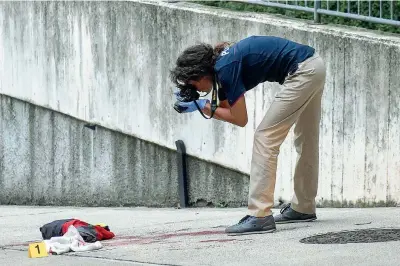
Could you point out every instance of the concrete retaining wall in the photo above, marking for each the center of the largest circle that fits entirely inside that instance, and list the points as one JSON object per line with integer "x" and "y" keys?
{"x": 48, "y": 158}
{"x": 107, "y": 63}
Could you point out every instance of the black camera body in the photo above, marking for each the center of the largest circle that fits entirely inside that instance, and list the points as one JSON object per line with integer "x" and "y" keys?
{"x": 187, "y": 93}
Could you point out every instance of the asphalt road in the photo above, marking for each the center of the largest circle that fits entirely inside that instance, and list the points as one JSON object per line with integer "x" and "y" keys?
{"x": 146, "y": 236}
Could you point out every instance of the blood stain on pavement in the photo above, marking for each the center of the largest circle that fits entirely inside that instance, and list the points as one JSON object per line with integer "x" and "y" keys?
{"x": 143, "y": 240}
{"x": 217, "y": 240}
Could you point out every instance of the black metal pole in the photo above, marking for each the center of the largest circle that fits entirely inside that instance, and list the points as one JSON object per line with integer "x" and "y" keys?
{"x": 182, "y": 174}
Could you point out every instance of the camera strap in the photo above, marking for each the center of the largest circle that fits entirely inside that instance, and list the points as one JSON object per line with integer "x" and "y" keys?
{"x": 213, "y": 100}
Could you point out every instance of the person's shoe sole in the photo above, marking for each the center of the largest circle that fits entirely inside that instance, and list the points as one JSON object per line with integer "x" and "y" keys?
{"x": 253, "y": 232}
{"x": 296, "y": 221}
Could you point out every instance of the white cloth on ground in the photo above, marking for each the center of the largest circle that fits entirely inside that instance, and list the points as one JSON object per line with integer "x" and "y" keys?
{"x": 70, "y": 241}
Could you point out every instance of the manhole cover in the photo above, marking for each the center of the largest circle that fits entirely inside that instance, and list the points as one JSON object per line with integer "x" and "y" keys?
{"x": 356, "y": 236}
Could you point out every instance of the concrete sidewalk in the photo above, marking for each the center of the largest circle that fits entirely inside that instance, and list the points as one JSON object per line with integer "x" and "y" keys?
{"x": 196, "y": 237}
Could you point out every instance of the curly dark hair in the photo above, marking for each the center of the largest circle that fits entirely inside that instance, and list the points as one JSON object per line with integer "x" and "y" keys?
{"x": 195, "y": 62}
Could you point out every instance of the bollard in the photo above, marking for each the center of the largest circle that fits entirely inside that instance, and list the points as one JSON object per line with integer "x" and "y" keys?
{"x": 182, "y": 174}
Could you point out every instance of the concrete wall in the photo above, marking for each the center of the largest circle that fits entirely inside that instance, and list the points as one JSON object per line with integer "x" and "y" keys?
{"x": 48, "y": 158}
{"x": 107, "y": 63}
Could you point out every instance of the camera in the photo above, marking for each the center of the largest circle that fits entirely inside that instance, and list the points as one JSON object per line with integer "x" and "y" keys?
{"x": 187, "y": 93}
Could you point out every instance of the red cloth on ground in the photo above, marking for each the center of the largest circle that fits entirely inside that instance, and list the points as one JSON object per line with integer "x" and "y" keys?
{"x": 76, "y": 223}
{"x": 101, "y": 233}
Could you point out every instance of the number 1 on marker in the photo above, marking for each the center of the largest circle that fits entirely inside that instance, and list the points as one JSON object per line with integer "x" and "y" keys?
{"x": 37, "y": 250}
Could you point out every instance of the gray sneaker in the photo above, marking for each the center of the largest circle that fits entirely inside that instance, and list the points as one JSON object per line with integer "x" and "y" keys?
{"x": 252, "y": 225}
{"x": 288, "y": 215}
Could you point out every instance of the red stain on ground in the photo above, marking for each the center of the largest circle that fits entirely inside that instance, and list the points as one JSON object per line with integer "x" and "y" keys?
{"x": 23, "y": 243}
{"x": 130, "y": 242}
{"x": 201, "y": 233}
{"x": 217, "y": 240}
{"x": 144, "y": 240}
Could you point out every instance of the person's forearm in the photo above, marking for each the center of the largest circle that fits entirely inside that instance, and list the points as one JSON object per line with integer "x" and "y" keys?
{"x": 221, "y": 114}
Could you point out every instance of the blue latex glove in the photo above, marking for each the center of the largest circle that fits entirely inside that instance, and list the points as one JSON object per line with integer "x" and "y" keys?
{"x": 177, "y": 96}
{"x": 191, "y": 106}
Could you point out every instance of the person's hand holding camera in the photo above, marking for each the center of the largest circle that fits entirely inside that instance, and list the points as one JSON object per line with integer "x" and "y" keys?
{"x": 188, "y": 107}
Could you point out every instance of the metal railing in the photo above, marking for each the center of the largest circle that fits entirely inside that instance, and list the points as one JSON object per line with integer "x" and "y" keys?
{"x": 319, "y": 7}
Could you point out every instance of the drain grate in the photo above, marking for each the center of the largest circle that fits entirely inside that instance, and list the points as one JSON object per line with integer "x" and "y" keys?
{"x": 356, "y": 236}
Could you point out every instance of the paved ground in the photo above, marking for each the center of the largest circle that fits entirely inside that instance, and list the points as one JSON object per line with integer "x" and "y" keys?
{"x": 195, "y": 237}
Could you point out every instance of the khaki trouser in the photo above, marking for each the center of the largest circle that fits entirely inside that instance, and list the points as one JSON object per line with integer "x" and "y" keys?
{"x": 298, "y": 102}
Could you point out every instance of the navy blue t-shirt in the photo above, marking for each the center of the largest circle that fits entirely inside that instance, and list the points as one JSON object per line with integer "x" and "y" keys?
{"x": 254, "y": 60}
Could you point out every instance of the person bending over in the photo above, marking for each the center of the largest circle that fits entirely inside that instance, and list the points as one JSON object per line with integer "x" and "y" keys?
{"x": 239, "y": 67}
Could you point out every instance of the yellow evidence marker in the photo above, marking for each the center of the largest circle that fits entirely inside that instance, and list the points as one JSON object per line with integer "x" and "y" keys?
{"x": 37, "y": 250}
